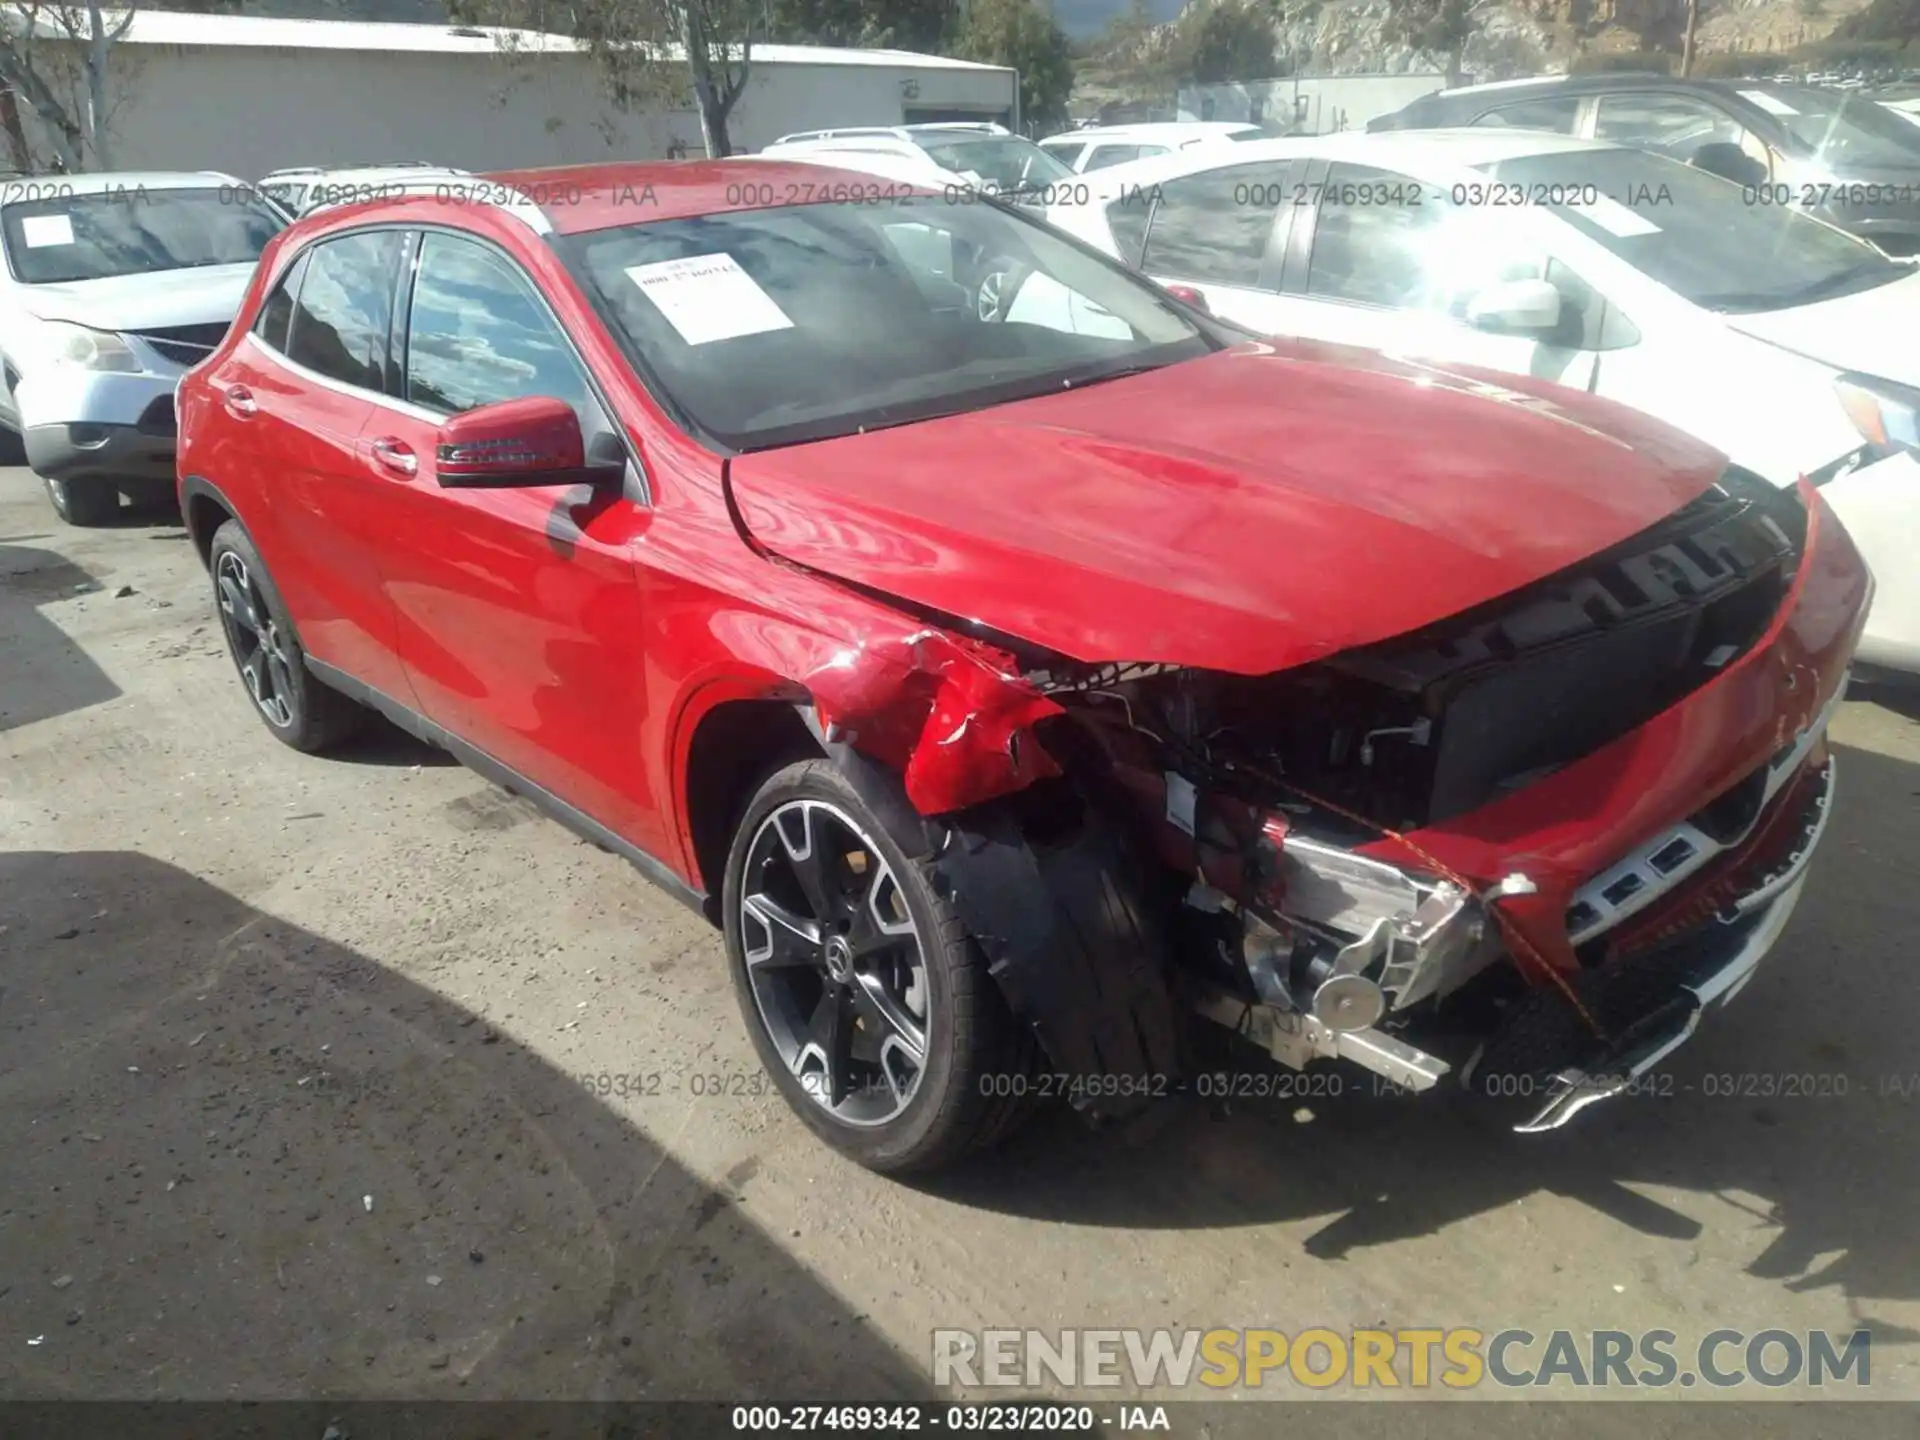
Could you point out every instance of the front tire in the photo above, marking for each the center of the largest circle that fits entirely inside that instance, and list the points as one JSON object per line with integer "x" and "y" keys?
{"x": 85, "y": 502}
{"x": 869, "y": 1004}
{"x": 297, "y": 707}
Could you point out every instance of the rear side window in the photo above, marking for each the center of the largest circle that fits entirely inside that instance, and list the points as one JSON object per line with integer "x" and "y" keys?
{"x": 344, "y": 306}
{"x": 1557, "y": 113}
{"x": 1065, "y": 154}
{"x": 1676, "y": 125}
{"x": 1213, "y": 227}
{"x": 1385, "y": 254}
{"x": 276, "y": 316}
{"x": 1106, "y": 155}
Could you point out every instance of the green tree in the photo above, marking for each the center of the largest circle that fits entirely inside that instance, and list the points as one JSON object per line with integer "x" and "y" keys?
{"x": 925, "y": 25}
{"x": 1435, "y": 27}
{"x": 1230, "y": 40}
{"x": 1136, "y": 51}
{"x": 1895, "y": 21}
{"x": 1017, "y": 33}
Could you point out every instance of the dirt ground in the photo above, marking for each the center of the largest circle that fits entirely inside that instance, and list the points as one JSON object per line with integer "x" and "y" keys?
{"x": 299, "y": 1095}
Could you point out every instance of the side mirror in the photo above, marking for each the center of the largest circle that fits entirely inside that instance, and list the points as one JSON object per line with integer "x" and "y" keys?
{"x": 1515, "y": 307}
{"x": 1189, "y": 296}
{"x": 517, "y": 444}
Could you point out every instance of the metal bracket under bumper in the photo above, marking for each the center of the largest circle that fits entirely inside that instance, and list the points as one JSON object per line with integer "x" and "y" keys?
{"x": 1296, "y": 1039}
{"x": 1758, "y": 919}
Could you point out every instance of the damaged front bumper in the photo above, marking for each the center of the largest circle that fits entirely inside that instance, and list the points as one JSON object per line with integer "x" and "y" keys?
{"x": 1651, "y": 998}
{"x": 1709, "y": 966}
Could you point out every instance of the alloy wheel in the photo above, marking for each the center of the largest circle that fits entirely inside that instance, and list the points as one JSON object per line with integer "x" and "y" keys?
{"x": 835, "y": 963}
{"x": 259, "y": 647}
{"x": 991, "y": 296}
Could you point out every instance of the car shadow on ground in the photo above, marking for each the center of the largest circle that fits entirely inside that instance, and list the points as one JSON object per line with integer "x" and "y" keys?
{"x": 238, "y": 1160}
{"x": 1754, "y": 1115}
{"x": 384, "y": 743}
{"x": 47, "y": 673}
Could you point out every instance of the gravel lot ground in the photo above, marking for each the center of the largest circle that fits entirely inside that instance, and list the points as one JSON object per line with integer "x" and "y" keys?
{"x": 293, "y": 1097}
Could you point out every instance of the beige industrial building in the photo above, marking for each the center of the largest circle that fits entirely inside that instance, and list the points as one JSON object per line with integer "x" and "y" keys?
{"x": 247, "y": 95}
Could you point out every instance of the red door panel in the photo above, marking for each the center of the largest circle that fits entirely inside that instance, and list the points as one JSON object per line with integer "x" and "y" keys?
{"x": 325, "y": 512}
{"x": 519, "y": 622}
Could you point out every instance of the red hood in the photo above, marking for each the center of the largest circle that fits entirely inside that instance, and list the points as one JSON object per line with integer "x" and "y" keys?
{"x": 1245, "y": 512}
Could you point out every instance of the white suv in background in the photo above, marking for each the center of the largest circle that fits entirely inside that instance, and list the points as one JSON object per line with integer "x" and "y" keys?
{"x": 116, "y": 285}
{"x": 985, "y": 157}
{"x": 310, "y": 187}
{"x": 1096, "y": 147}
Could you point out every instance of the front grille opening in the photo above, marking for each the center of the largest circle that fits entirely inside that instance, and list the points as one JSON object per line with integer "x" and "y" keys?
{"x": 1671, "y": 856}
{"x": 185, "y": 344}
{"x": 1732, "y": 814}
{"x": 1623, "y": 889}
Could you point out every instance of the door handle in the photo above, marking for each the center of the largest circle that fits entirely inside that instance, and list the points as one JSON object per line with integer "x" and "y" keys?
{"x": 395, "y": 455}
{"x": 240, "y": 402}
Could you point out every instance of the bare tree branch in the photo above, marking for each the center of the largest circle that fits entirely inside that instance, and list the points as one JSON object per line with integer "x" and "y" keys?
{"x": 58, "y": 57}
{"x": 654, "y": 54}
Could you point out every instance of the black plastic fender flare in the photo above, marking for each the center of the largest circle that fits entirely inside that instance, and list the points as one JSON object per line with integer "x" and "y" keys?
{"x": 1067, "y": 933}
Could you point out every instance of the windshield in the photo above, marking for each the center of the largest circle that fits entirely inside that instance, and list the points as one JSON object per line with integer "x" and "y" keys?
{"x": 1002, "y": 162}
{"x": 135, "y": 231}
{"x": 1843, "y": 131}
{"x": 801, "y": 322}
{"x": 1699, "y": 235}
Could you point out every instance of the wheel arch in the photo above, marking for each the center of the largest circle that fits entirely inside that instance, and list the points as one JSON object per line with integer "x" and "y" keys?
{"x": 1039, "y": 879}
{"x": 733, "y": 743}
{"x": 205, "y": 509}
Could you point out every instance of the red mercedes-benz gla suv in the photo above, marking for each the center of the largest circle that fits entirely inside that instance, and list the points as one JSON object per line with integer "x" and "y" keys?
{"x": 1014, "y": 686}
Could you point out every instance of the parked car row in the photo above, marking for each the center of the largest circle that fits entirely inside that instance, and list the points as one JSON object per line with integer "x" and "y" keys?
{"x": 984, "y": 157}
{"x": 1779, "y": 340}
{"x": 1841, "y": 157}
{"x": 1238, "y": 593}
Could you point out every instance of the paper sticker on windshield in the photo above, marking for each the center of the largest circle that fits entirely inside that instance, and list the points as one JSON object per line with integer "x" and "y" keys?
{"x": 40, "y": 231}
{"x": 708, "y": 298}
{"x": 1768, "y": 102}
{"x": 1616, "y": 219}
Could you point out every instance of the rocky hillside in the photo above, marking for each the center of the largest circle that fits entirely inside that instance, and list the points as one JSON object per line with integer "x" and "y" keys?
{"x": 1521, "y": 37}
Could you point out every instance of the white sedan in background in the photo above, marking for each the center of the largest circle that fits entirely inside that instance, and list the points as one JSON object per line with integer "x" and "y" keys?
{"x": 1776, "y": 338}
{"x": 1100, "y": 147}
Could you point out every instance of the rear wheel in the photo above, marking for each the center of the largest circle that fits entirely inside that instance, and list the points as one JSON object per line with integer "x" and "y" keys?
{"x": 84, "y": 502}
{"x": 868, "y": 1003}
{"x": 298, "y": 708}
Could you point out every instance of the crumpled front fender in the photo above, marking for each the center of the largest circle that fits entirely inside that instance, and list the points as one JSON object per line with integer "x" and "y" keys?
{"x": 953, "y": 717}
